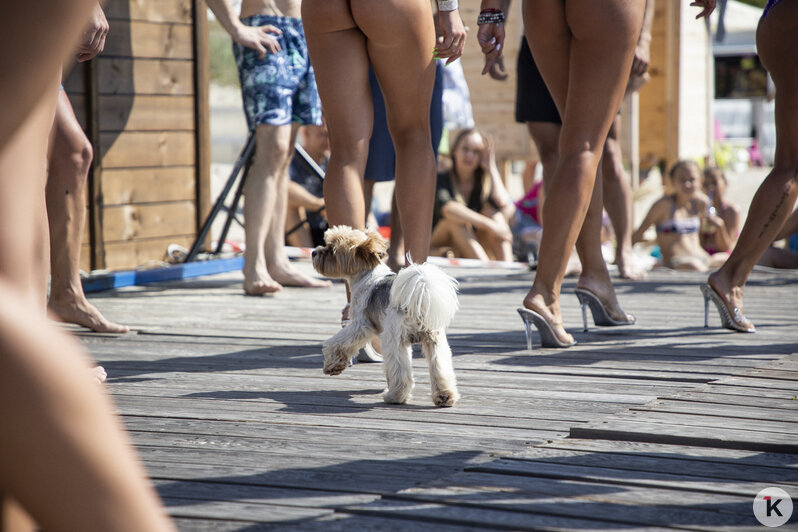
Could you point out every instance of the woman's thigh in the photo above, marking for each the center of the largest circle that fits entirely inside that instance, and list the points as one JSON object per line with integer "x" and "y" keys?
{"x": 340, "y": 61}
{"x": 584, "y": 51}
{"x": 401, "y": 38}
{"x": 777, "y": 44}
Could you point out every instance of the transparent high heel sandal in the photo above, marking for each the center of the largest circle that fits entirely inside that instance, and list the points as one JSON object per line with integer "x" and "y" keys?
{"x": 601, "y": 316}
{"x": 548, "y": 338}
{"x": 733, "y": 320}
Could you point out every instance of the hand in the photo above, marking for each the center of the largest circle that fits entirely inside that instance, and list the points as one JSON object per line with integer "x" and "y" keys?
{"x": 451, "y": 42}
{"x": 488, "y": 159}
{"x": 715, "y": 221}
{"x": 92, "y": 41}
{"x": 707, "y": 7}
{"x": 502, "y": 231}
{"x": 258, "y": 38}
{"x": 491, "y": 41}
{"x": 497, "y": 71}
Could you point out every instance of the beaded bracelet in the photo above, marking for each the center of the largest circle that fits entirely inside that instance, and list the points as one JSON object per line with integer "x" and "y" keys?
{"x": 490, "y": 17}
{"x": 447, "y": 5}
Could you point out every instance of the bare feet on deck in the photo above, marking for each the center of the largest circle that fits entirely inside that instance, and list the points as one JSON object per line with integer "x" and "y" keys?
{"x": 627, "y": 269}
{"x": 81, "y": 312}
{"x": 261, "y": 287}
{"x": 264, "y": 284}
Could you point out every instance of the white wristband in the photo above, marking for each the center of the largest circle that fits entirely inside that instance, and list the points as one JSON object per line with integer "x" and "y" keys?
{"x": 447, "y": 5}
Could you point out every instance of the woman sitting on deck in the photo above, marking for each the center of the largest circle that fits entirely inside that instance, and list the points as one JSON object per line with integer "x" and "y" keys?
{"x": 678, "y": 218}
{"x": 471, "y": 201}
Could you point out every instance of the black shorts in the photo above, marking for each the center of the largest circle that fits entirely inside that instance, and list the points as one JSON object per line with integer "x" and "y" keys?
{"x": 533, "y": 103}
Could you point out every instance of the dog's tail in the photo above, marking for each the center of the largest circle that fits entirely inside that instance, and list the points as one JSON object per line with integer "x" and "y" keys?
{"x": 426, "y": 295}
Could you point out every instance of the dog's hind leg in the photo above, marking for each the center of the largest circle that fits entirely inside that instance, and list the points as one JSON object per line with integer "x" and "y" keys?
{"x": 441, "y": 371}
{"x": 397, "y": 357}
{"x": 343, "y": 346}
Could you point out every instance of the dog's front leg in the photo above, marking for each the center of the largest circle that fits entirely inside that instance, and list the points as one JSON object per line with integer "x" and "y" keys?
{"x": 441, "y": 370}
{"x": 343, "y": 346}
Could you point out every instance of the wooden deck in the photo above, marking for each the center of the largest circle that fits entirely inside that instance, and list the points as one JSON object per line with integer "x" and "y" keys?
{"x": 664, "y": 425}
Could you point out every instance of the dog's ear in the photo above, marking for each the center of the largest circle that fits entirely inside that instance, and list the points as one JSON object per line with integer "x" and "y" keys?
{"x": 373, "y": 249}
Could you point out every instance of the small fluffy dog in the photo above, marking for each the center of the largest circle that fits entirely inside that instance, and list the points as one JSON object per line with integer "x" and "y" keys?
{"x": 414, "y": 306}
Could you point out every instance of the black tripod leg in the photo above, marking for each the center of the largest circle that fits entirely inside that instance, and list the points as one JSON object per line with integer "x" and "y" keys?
{"x": 243, "y": 159}
{"x": 231, "y": 213}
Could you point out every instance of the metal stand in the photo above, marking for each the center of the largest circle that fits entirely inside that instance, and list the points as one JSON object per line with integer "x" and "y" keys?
{"x": 244, "y": 161}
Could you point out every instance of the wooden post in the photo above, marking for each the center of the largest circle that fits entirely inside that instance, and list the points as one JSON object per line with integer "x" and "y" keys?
{"x": 202, "y": 111}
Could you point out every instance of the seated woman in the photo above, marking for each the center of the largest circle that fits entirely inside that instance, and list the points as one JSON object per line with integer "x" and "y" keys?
{"x": 678, "y": 218}
{"x": 721, "y": 226}
{"x": 471, "y": 204}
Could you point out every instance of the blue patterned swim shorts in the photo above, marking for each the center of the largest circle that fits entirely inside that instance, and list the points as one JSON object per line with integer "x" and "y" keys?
{"x": 280, "y": 88}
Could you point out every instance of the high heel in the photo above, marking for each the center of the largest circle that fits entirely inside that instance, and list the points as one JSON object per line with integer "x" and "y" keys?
{"x": 601, "y": 316}
{"x": 548, "y": 338}
{"x": 733, "y": 320}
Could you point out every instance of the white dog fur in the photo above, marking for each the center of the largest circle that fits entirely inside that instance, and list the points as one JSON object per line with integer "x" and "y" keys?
{"x": 414, "y": 306}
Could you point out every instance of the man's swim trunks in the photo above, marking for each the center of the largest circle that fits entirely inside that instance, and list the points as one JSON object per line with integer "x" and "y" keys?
{"x": 280, "y": 88}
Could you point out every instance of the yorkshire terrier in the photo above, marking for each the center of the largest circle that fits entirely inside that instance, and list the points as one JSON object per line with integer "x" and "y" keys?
{"x": 414, "y": 306}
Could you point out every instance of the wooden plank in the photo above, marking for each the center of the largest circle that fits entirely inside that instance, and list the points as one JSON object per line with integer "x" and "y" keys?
{"x": 146, "y": 113}
{"x": 730, "y": 456}
{"x": 131, "y": 222}
{"x": 146, "y": 10}
{"x": 143, "y": 76}
{"x": 125, "y": 186}
{"x": 672, "y": 463}
{"x": 609, "y": 476}
{"x": 146, "y": 149}
{"x": 202, "y": 81}
{"x": 680, "y": 435}
{"x": 783, "y": 401}
{"x": 784, "y": 414}
{"x": 149, "y": 40}
{"x": 234, "y": 510}
{"x": 123, "y": 255}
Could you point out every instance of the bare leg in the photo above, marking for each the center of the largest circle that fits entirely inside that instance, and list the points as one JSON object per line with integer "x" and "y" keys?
{"x": 70, "y": 159}
{"x": 585, "y": 67}
{"x": 460, "y": 237}
{"x": 266, "y": 266}
{"x": 396, "y": 251}
{"x": 618, "y": 202}
{"x": 407, "y": 80}
{"x": 64, "y": 456}
{"x": 777, "y": 42}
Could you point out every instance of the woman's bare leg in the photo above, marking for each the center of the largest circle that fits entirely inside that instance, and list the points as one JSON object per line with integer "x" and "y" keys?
{"x": 777, "y": 43}
{"x": 70, "y": 160}
{"x": 460, "y": 237}
{"x": 400, "y": 39}
{"x": 585, "y": 66}
{"x": 340, "y": 61}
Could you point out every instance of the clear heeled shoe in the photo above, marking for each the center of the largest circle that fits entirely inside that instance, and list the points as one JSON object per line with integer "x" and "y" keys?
{"x": 601, "y": 316}
{"x": 548, "y": 338}
{"x": 730, "y": 319}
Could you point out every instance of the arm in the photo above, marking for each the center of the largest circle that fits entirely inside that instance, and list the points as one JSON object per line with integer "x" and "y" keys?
{"x": 459, "y": 213}
{"x": 497, "y": 71}
{"x": 92, "y": 41}
{"x": 258, "y": 39}
{"x": 491, "y": 36}
{"x": 706, "y": 6}
{"x": 451, "y": 42}
{"x": 498, "y": 192}
{"x": 299, "y": 196}
{"x": 651, "y": 218}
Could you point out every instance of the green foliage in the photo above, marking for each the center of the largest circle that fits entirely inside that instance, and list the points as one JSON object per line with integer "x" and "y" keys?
{"x": 222, "y": 63}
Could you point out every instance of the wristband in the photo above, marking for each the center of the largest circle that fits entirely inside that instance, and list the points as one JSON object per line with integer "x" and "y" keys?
{"x": 490, "y": 17}
{"x": 447, "y": 5}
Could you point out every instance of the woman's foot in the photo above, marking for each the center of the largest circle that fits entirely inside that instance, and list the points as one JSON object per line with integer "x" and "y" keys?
{"x": 626, "y": 266}
{"x": 83, "y": 313}
{"x": 287, "y": 275}
{"x": 551, "y": 314}
{"x": 605, "y": 293}
{"x": 732, "y": 298}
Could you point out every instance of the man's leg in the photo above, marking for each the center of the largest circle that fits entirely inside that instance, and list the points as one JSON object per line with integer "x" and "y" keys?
{"x": 70, "y": 159}
{"x": 266, "y": 266}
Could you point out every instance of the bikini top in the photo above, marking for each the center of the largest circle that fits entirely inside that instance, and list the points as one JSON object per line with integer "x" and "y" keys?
{"x": 681, "y": 226}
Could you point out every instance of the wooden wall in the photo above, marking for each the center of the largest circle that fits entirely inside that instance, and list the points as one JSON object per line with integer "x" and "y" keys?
{"x": 143, "y": 103}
